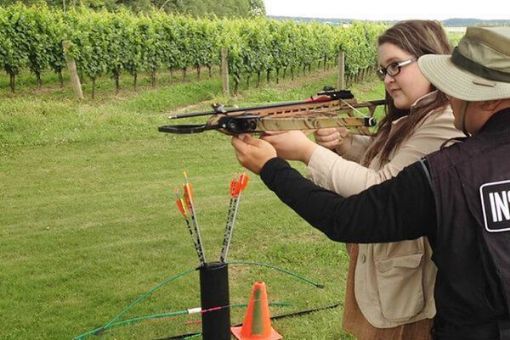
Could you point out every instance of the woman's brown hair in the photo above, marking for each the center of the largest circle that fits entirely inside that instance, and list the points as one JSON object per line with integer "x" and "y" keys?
{"x": 417, "y": 37}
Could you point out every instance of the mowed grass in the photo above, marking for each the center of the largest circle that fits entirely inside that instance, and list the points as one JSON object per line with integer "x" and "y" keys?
{"x": 88, "y": 221}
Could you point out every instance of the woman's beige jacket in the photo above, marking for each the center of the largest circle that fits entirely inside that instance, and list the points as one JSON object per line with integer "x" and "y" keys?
{"x": 393, "y": 282}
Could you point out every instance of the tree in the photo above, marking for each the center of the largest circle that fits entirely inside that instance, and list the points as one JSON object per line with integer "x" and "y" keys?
{"x": 196, "y": 8}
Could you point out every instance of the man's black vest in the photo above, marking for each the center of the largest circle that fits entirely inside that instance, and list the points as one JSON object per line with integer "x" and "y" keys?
{"x": 471, "y": 184}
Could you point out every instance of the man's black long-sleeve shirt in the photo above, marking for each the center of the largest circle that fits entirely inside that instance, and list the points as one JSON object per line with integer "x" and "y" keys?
{"x": 388, "y": 212}
{"x": 398, "y": 209}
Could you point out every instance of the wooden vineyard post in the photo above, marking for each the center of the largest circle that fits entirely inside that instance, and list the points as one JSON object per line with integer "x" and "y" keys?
{"x": 341, "y": 71}
{"x": 224, "y": 71}
{"x": 71, "y": 65}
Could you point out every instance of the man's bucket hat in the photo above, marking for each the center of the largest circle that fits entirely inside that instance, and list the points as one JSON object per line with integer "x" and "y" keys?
{"x": 477, "y": 70}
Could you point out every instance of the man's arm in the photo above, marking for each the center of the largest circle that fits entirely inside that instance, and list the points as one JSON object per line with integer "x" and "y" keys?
{"x": 398, "y": 209}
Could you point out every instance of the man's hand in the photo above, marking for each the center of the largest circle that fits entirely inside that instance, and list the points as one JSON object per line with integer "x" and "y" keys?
{"x": 291, "y": 145}
{"x": 252, "y": 153}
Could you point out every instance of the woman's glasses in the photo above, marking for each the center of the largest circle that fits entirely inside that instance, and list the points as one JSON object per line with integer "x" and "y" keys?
{"x": 393, "y": 69}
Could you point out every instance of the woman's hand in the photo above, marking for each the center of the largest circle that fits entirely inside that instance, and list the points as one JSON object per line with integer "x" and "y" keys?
{"x": 331, "y": 138}
{"x": 252, "y": 153}
{"x": 291, "y": 145}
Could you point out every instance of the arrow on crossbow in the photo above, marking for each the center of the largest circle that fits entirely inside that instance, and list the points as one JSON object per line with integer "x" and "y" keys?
{"x": 317, "y": 112}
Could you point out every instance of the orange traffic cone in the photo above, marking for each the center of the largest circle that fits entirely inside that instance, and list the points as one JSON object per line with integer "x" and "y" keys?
{"x": 257, "y": 321}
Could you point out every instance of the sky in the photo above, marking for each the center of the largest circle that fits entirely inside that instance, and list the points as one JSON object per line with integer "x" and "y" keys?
{"x": 389, "y": 10}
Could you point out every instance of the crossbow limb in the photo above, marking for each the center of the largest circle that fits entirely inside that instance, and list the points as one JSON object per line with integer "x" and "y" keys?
{"x": 317, "y": 112}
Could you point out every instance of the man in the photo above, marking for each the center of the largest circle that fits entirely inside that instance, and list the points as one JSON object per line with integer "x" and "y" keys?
{"x": 459, "y": 197}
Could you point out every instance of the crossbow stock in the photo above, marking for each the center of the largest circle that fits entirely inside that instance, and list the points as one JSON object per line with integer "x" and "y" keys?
{"x": 330, "y": 108}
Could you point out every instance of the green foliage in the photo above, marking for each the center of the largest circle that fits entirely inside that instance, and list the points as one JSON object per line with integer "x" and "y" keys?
{"x": 278, "y": 46}
{"x": 37, "y": 33}
{"x": 118, "y": 49}
{"x": 91, "y": 39}
{"x": 359, "y": 43}
{"x": 14, "y": 43}
{"x": 56, "y": 32}
{"x": 152, "y": 54}
{"x": 208, "y": 8}
{"x": 132, "y": 61}
{"x": 196, "y": 8}
{"x": 108, "y": 43}
{"x": 454, "y": 37}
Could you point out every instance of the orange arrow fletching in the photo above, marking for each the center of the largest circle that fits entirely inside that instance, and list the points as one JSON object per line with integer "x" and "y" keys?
{"x": 180, "y": 205}
{"x": 234, "y": 188}
{"x": 243, "y": 181}
{"x": 188, "y": 196}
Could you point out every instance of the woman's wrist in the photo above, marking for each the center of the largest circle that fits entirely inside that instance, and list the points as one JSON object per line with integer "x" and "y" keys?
{"x": 308, "y": 150}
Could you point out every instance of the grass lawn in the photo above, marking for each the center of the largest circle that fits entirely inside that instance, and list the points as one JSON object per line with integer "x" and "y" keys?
{"x": 88, "y": 220}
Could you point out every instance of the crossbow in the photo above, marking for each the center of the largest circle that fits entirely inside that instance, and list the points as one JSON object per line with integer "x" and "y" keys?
{"x": 330, "y": 108}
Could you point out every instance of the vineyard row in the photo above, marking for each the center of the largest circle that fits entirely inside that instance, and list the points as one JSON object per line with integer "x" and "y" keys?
{"x": 106, "y": 43}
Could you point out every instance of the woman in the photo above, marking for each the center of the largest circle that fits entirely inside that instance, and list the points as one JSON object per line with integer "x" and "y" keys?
{"x": 389, "y": 292}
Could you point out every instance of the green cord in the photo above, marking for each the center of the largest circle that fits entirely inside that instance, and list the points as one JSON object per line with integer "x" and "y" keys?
{"x": 159, "y": 316}
{"x": 130, "y": 321}
{"x": 299, "y": 277}
{"x": 134, "y": 303}
{"x": 115, "y": 323}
